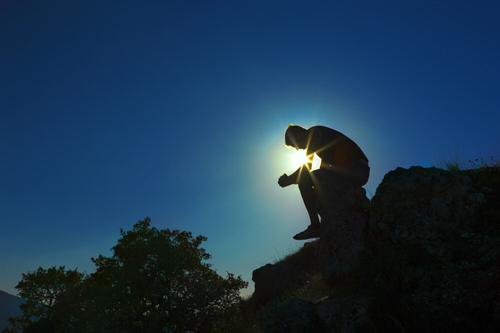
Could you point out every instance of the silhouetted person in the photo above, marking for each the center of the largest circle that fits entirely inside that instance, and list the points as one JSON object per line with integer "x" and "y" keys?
{"x": 342, "y": 161}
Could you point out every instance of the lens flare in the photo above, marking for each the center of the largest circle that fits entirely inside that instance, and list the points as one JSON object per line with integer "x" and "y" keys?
{"x": 299, "y": 158}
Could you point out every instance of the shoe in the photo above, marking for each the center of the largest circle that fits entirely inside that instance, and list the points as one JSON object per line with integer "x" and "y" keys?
{"x": 310, "y": 232}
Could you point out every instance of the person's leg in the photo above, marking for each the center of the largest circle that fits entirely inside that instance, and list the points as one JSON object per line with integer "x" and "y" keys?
{"x": 359, "y": 173}
{"x": 306, "y": 187}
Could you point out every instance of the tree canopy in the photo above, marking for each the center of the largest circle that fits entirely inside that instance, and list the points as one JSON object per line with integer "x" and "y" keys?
{"x": 157, "y": 280}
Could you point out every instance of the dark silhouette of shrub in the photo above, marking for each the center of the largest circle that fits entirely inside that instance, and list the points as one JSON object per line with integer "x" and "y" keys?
{"x": 157, "y": 280}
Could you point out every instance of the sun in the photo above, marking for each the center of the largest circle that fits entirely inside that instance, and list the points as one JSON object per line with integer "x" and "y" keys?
{"x": 299, "y": 158}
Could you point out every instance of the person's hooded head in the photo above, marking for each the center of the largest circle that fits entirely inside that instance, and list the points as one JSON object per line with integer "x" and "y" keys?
{"x": 296, "y": 136}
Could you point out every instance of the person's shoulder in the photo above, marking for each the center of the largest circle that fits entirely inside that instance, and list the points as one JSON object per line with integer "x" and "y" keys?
{"x": 319, "y": 128}
{"x": 324, "y": 130}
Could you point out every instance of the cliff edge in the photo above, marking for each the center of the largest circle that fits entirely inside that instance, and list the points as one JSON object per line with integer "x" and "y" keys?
{"x": 423, "y": 255}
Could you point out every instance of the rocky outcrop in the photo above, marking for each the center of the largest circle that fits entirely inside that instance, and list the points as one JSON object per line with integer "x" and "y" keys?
{"x": 272, "y": 281}
{"x": 434, "y": 221}
{"x": 423, "y": 202}
{"x": 324, "y": 315}
{"x": 344, "y": 223}
{"x": 424, "y": 257}
{"x": 344, "y": 226}
{"x": 294, "y": 315}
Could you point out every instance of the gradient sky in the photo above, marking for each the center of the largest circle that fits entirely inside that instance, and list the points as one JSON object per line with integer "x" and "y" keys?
{"x": 116, "y": 111}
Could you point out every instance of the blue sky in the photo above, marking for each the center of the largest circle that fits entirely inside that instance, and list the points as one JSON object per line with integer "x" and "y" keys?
{"x": 116, "y": 111}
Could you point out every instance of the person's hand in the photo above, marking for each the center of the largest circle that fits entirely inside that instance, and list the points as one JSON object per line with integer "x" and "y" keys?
{"x": 284, "y": 180}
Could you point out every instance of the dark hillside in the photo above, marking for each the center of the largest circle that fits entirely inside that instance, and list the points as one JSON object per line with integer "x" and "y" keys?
{"x": 429, "y": 261}
{"x": 9, "y": 307}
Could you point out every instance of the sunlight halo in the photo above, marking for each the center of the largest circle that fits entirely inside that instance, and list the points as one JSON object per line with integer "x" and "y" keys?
{"x": 299, "y": 157}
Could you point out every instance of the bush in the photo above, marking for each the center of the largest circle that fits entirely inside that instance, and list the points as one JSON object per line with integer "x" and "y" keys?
{"x": 156, "y": 281}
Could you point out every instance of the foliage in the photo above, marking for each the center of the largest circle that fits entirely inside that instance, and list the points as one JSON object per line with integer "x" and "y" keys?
{"x": 484, "y": 173}
{"x": 480, "y": 170}
{"x": 156, "y": 281}
{"x": 51, "y": 296}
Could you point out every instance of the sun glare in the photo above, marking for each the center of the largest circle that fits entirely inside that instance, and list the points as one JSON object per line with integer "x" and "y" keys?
{"x": 299, "y": 158}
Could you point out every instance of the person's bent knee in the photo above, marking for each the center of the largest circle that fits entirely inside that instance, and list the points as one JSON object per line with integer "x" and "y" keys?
{"x": 305, "y": 180}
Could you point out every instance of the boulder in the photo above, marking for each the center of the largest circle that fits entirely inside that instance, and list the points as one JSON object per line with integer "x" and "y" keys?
{"x": 272, "y": 281}
{"x": 423, "y": 201}
{"x": 329, "y": 315}
{"x": 295, "y": 316}
{"x": 342, "y": 315}
{"x": 448, "y": 258}
{"x": 430, "y": 209}
{"x": 344, "y": 212}
{"x": 424, "y": 256}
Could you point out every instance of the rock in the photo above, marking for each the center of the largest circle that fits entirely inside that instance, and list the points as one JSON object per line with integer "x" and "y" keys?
{"x": 344, "y": 223}
{"x": 424, "y": 257}
{"x": 424, "y": 196}
{"x": 429, "y": 218}
{"x": 295, "y": 316}
{"x": 273, "y": 280}
{"x": 335, "y": 315}
{"x": 427, "y": 206}
{"x": 343, "y": 315}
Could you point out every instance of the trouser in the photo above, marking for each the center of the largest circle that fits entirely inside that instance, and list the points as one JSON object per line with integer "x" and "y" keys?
{"x": 312, "y": 184}
{"x": 357, "y": 175}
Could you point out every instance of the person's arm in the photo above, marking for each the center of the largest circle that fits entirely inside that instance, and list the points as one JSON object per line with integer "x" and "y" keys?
{"x": 286, "y": 180}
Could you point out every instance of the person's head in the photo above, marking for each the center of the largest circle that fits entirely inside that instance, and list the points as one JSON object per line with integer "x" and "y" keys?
{"x": 296, "y": 136}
